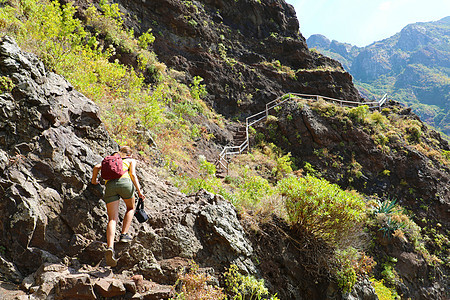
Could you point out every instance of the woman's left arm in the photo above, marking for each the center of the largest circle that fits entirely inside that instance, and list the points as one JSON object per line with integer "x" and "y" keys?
{"x": 134, "y": 178}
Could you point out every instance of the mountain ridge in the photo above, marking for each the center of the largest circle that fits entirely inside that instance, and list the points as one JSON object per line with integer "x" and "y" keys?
{"x": 412, "y": 65}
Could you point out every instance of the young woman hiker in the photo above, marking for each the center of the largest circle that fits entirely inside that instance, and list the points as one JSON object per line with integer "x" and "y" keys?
{"x": 123, "y": 187}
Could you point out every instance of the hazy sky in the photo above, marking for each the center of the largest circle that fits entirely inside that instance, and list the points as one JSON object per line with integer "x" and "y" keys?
{"x": 361, "y": 22}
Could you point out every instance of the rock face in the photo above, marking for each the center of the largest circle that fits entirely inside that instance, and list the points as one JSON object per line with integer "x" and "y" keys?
{"x": 236, "y": 47}
{"x": 50, "y": 138}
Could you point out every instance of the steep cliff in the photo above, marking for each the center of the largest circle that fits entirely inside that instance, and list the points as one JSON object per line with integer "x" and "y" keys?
{"x": 248, "y": 52}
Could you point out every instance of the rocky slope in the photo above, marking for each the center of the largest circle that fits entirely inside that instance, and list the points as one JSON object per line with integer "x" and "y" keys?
{"x": 53, "y": 235}
{"x": 412, "y": 66}
{"x": 348, "y": 153}
{"x": 248, "y": 52}
{"x": 52, "y": 232}
{"x": 412, "y": 175}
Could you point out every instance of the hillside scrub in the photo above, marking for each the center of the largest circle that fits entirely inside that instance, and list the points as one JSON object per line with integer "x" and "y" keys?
{"x": 86, "y": 54}
{"x": 318, "y": 208}
{"x": 322, "y": 209}
{"x": 391, "y": 129}
{"x": 339, "y": 136}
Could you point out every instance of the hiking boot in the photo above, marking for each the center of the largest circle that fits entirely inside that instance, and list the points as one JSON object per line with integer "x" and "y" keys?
{"x": 125, "y": 238}
{"x": 109, "y": 257}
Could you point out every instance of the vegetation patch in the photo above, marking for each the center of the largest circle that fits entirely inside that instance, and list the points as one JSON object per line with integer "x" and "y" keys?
{"x": 240, "y": 286}
{"x": 194, "y": 284}
{"x": 322, "y": 209}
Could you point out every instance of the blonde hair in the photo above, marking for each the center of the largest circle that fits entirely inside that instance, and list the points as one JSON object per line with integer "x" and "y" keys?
{"x": 126, "y": 150}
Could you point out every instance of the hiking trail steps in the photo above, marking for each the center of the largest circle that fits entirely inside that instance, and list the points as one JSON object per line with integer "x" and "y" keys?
{"x": 241, "y": 136}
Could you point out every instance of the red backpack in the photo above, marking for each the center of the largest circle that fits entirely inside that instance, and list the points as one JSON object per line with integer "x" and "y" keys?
{"x": 112, "y": 167}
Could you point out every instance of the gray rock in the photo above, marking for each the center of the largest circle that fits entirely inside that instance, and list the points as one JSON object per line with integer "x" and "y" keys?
{"x": 362, "y": 290}
{"x": 9, "y": 271}
{"x": 46, "y": 157}
{"x": 109, "y": 287}
{"x": 221, "y": 219}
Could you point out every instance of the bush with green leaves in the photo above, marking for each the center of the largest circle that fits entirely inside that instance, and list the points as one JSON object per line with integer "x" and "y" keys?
{"x": 322, "y": 209}
{"x": 446, "y": 154}
{"x": 250, "y": 189}
{"x": 359, "y": 113}
{"x": 345, "y": 274}
{"x": 383, "y": 292}
{"x": 6, "y": 84}
{"x": 284, "y": 166}
{"x": 206, "y": 179}
{"x": 415, "y": 132}
{"x": 198, "y": 91}
{"x": 309, "y": 169}
{"x": 241, "y": 287}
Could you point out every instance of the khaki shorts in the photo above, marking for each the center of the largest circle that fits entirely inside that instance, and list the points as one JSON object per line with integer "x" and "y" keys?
{"x": 119, "y": 188}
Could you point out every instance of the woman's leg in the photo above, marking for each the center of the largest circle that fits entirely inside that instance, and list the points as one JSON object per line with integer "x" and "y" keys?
{"x": 113, "y": 215}
{"x": 131, "y": 206}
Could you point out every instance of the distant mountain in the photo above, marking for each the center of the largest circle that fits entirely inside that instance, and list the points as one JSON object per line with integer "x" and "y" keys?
{"x": 413, "y": 66}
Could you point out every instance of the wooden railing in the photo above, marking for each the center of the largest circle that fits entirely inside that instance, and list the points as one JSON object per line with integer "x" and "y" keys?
{"x": 228, "y": 151}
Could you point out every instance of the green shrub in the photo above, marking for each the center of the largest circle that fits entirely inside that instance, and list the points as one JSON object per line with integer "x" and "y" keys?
{"x": 381, "y": 139}
{"x": 6, "y": 84}
{"x": 446, "y": 154}
{"x": 389, "y": 273}
{"x": 414, "y": 133}
{"x": 346, "y": 277}
{"x": 351, "y": 264}
{"x": 379, "y": 119}
{"x": 309, "y": 169}
{"x": 383, "y": 292}
{"x": 251, "y": 189}
{"x": 206, "y": 168}
{"x": 198, "y": 91}
{"x": 386, "y": 173}
{"x": 240, "y": 287}
{"x": 206, "y": 180}
{"x": 322, "y": 209}
{"x": 284, "y": 166}
{"x": 359, "y": 114}
{"x": 146, "y": 39}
